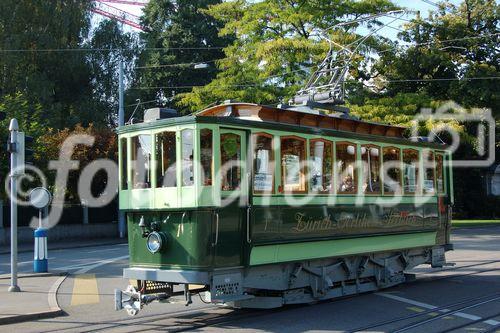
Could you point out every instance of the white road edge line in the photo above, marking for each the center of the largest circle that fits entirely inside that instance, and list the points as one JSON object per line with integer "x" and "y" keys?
{"x": 102, "y": 263}
{"x": 433, "y": 307}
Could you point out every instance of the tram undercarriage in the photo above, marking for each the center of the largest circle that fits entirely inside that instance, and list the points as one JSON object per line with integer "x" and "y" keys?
{"x": 272, "y": 286}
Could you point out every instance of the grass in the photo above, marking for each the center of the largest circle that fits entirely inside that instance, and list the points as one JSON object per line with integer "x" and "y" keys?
{"x": 474, "y": 223}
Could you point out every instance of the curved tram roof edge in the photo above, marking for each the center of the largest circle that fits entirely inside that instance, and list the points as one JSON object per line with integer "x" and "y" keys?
{"x": 272, "y": 118}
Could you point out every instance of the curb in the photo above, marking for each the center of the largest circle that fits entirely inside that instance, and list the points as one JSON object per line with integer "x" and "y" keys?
{"x": 54, "y": 311}
{"x": 70, "y": 246}
{"x": 31, "y": 275}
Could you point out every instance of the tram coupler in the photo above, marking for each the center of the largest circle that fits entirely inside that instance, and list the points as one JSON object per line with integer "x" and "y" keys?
{"x": 132, "y": 301}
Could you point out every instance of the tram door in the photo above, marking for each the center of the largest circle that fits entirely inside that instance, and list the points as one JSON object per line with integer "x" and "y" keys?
{"x": 230, "y": 217}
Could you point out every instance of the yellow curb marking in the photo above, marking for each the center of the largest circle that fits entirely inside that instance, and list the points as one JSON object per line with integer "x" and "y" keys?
{"x": 85, "y": 290}
{"x": 415, "y": 309}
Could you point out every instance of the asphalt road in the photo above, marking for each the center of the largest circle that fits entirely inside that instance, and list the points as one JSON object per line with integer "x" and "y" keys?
{"x": 463, "y": 298}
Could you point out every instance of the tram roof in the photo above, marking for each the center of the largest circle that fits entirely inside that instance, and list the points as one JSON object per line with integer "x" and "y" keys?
{"x": 309, "y": 118}
{"x": 270, "y": 117}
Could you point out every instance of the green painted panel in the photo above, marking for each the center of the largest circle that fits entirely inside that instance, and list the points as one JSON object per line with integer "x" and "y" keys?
{"x": 270, "y": 254}
{"x": 188, "y": 236}
{"x": 165, "y": 197}
{"x": 331, "y": 200}
{"x": 141, "y": 198}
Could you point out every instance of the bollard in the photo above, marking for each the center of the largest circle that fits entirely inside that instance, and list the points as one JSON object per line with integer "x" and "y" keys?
{"x": 40, "y": 262}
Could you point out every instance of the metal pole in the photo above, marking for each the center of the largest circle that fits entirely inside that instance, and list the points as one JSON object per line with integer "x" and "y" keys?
{"x": 121, "y": 122}
{"x": 1, "y": 214}
{"x": 121, "y": 110}
{"x": 13, "y": 128}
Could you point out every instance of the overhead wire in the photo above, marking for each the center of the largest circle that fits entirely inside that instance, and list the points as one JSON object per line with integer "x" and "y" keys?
{"x": 348, "y": 82}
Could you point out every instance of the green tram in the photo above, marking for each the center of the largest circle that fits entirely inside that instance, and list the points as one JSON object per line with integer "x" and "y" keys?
{"x": 255, "y": 206}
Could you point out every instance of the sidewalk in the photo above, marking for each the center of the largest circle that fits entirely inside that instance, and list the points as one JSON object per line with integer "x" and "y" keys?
{"x": 36, "y": 300}
{"x": 57, "y": 245}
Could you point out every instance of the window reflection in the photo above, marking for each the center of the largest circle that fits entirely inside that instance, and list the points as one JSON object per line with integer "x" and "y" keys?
{"x": 187, "y": 157}
{"x": 123, "y": 163}
{"x": 321, "y": 152}
{"x": 141, "y": 159}
{"x": 392, "y": 170}
{"x": 230, "y": 144}
{"x": 206, "y": 158}
{"x": 429, "y": 167}
{"x": 439, "y": 174}
{"x": 371, "y": 168}
{"x": 410, "y": 160}
{"x": 166, "y": 160}
{"x": 263, "y": 163}
{"x": 293, "y": 152}
{"x": 346, "y": 167}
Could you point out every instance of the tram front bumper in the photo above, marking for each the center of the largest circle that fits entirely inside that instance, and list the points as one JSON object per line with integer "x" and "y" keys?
{"x": 167, "y": 275}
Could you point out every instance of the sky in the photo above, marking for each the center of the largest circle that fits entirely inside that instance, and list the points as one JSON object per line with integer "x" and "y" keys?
{"x": 416, "y": 5}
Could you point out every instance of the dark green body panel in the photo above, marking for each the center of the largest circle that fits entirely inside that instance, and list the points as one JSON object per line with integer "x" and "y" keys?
{"x": 191, "y": 240}
{"x": 286, "y": 224}
{"x": 188, "y": 239}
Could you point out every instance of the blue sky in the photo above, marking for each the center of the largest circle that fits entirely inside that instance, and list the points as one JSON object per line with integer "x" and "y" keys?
{"x": 416, "y": 5}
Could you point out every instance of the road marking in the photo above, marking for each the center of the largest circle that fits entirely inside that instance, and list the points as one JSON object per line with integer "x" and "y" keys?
{"x": 85, "y": 267}
{"x": 85, "y": 290}
{"x": 102, "y": 263}
{"x": 415, "y": 309}
{"x": 432, "y": 307}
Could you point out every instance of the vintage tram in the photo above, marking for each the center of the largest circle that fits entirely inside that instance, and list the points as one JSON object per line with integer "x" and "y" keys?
{"x": 258, "y": 206}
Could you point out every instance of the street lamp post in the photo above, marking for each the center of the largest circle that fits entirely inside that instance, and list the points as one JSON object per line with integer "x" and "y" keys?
{"x": 13, "y": 129}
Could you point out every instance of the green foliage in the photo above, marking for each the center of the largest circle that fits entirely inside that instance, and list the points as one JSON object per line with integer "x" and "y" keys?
{"x": 176, "y": 24}
{"x": 30, "y": 121}
{"x": 275, "y": 40}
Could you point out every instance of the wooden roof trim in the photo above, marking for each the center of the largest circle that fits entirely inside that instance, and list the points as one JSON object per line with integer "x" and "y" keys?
{"x": 257, "y": 111}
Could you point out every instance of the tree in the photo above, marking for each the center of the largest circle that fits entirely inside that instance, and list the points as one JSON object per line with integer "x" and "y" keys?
{"x": 277, "y": 44}
{"x": 34, "y": 32}
{"x": 111, "y": 45}
{"x": 105, "y": 146}
{"x": 180, "y": 33}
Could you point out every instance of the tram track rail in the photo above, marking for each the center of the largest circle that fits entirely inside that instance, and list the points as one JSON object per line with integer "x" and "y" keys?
{"x": 477, "y": 321}
{"x": 444, "y": 309}
{"x": 220, "y": 316}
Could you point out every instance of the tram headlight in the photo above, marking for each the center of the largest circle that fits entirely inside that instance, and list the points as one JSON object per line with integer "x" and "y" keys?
{"x": 155, "y": 241}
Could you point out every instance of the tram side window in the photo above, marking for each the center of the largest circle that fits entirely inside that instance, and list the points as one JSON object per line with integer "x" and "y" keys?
{"x": 410, "y": 160}
{"x": 263, "y": 165}
{"x": 206, "y": 156}
{"x": 429, "y": 167}
{"x": 230, "y": 161}
{"x": 123, "y": 160}
{"x": 392, "y": 170}
{"x": 293, "y": 154}
{"x": 346, "y": 167}
{"x": 187, "y": 151}
{"x": 370, "y": 156}
{"x": 321, "y": 152}
{"x": 141, "y": 161}
{"x": 166, "y": 160}
{"x": 439, "y": 174}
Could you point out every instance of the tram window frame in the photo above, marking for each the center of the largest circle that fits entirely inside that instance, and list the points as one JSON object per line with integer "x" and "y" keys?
{"x": 399, "y": 153}
{"x": 160, "y": 160}
{"x": 271, "y": 162}
{"x": 303, "y": 182}
{"x": 443, "y": 174}
{"x": 324, "y": 175}
{"x": 223, "y": 172}
{"x": 338, "y": 172}
{"x": 187, "y": 164}
{"x": 211, "y": 164}
{"x": 368, "y": 148}
{"x": 134, "y": 154}
{"x": 429, "y": 162}
{"x": 417, "y": 172}
{"x": 124, "y": 183}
